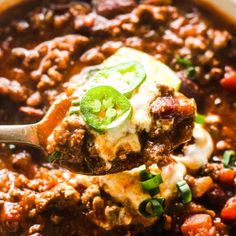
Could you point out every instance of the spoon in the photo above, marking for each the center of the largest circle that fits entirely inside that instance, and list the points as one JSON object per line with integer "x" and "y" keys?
{"x": 36, "y": 134}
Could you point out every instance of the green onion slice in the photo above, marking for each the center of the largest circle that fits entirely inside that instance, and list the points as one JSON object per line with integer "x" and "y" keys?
{"x": 185, "y": 191}
{"x": 125, "y": 77}
{"x": 184, "y": 61}
{"x": 152, "y": 207}
{"x": 144, "y": 175}
{"x": 229, "y": 158}
{"x": 200, "y": 119}
{"x": 103, "y": 108}
{"x": 152, "y": 183}
{"x": 54, "y": 156}
{"x": 191, "y": 71}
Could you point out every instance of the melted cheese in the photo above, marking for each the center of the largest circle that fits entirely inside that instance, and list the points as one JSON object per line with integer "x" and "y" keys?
{"x": 197, "y": 154}
{"x": 125, "y": 186}
{"x": 123, "y": 137}
{"x": 140, "y": 102}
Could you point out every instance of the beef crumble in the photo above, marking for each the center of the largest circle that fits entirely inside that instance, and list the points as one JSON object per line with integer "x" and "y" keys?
{"x": 36, "y": 199}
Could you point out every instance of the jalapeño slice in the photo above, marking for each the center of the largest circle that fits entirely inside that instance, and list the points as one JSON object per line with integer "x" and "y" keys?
{"x": 125, "y": 77}
{"x": 103, "y": 107}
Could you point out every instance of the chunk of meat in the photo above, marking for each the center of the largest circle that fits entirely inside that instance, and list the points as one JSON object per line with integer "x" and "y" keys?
{"x": 198, "y": 225}
{"x": 13, "y": 89}
{"x": 111, "y": 8}
{"x": 175, "y": 114}
{"x": 68, "y": 138}
{"x": 229, "y": 210}
{"x": 199, "y": 186}
{"x": 170, "y": 107}
{"x": 61, "y": 196}
{"x": 10, "y": 216}
{"x": 30, "y": 111}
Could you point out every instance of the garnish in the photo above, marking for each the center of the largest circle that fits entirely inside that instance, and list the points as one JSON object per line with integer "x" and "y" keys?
{"x": 184, "y": 61}
{"x": 103, "y": 108}
{"x": 54, "y": 156}
{"x": 75, "y": 103}
{"x": 74, "y": 110}
{"x": 152, "y": 207}
{"x": 185, "y": 191}
{"x": 125, "y": 77}
{"x": 188, "y": 65}
{"x": 150, "y": 182}
{"x": 229, "y": 159}
{"x": 200, "y": 119}
{"x": 191, "y": 71}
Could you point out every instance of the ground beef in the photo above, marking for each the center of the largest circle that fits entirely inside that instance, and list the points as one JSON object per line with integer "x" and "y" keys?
{"x": 13, "y": 89}
{"x": 110, "y": 8}
{"x": 48, "y": 61}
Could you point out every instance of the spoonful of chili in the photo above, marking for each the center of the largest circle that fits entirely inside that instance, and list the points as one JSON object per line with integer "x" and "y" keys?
{"x": 121, "y": 116}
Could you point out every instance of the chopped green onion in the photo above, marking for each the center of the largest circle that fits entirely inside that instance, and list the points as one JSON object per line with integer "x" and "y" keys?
{"x": 152, "y": 207}
{"x": 191, "y": 71}
{"x": 154, "y": 191}
{"x": 54, "y": 156}
{"x": 229, "y": 158}
{"x": 75, "y": 103}
{"x": 144, "y": 175}
{"x": 188, "y": 65}
{"x": 184, "y": 61}
{"x": 200, "y": 119}
{"x": 152, "y": 183}
{"x": 185, "y": 191}
{"x": 74, "y": 110}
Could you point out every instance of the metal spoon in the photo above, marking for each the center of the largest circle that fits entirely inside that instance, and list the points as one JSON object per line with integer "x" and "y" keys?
{"x": 36, "y": 134}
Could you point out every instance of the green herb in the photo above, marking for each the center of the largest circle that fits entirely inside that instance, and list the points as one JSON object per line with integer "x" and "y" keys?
{"x": 185, "y": 191}
{"x": 144, "y": 175}
{"x": 54, "y": 156}
{"x": 184, "y": 61}
{"x": 200, "y": 119}
{"x": 191, "y": 72}
{"x": 188, "y": 65}
{"x": 152, "y": 183}
{"x": 229, "y": 159}
{"x": 152, "y": 207}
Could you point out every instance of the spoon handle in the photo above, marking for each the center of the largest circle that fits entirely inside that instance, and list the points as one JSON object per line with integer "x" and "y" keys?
{"x": 26, "y": 134}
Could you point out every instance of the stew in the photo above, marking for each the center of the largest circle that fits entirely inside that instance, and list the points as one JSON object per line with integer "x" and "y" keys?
{"x": 44, "y": 45}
